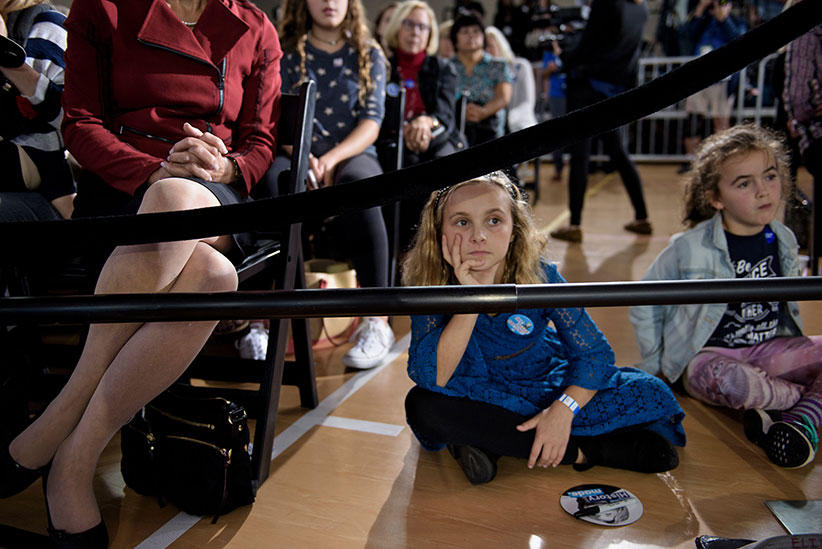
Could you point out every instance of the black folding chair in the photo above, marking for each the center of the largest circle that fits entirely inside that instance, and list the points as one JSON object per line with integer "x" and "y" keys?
{"x": 390, "y": 146}
{"x": 279, "y": 262}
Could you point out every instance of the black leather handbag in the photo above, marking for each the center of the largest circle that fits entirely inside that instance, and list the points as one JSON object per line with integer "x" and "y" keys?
{"x": 191, "y": 452}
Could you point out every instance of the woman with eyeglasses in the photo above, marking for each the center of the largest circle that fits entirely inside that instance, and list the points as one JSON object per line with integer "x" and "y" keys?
{"x": 430, "y": 83}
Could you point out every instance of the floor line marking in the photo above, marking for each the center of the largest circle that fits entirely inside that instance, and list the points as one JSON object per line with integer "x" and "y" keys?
{"x": 183, "y": 522}
{"x": 332, "y": 401}
{"x": 373, "y": 427}
{"x": 170, "y": 531}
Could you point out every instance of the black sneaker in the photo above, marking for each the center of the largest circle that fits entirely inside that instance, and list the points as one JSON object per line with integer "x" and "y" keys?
{"x": 756, "y": 424}
{"x": 477, "y": 465}
{"x": 642, "y": 451}
{"x": 792, "y": 444}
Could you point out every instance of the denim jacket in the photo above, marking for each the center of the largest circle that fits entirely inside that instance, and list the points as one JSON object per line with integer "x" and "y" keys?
{"x": 669, "y": 336}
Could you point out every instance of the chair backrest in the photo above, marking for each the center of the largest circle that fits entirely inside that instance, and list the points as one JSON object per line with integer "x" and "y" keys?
{"x": 390, "y": 147}
{"x": 295, "y": 128}
{"x": 391, "y": 141}
{"x": 460, "y": 113}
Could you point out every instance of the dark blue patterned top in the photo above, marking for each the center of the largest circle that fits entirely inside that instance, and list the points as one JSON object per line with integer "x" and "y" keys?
{"x": 525, "y": 371}
{"x": 480, "y": 85}
{"x": 338, "y": 110}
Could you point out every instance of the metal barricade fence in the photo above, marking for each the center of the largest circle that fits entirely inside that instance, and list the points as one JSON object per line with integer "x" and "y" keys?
{"x": 660, "y": 137}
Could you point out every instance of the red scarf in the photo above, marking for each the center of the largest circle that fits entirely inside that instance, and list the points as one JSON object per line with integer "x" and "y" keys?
{"x": 408, "y": 67}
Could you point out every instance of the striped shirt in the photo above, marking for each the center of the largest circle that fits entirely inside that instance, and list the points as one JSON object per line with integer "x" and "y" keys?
{"x": 44, "y": 53}
{"x": 803, "y": 85}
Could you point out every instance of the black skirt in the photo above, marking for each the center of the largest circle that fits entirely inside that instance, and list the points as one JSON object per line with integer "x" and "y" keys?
{"x": 96, "y": 198}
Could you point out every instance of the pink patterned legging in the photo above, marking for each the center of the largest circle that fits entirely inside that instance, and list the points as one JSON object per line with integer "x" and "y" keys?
{"x": 773, "y": 375}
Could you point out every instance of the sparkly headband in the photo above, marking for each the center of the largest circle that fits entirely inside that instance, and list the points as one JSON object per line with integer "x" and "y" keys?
{"x": 508, "y": 185}
{"x": 439, "y": 195}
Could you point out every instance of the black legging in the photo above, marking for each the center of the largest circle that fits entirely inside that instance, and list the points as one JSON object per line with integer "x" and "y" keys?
{"x": 812, "y": 159}
{"x": 581, "y": 94}
{"x": 365, "y": 229}
{"x": 439, "y": 419}
{"x": 365, "y": 233}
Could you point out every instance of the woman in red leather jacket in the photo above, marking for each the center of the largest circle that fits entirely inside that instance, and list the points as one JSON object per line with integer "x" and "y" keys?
{"x": 169, "y": 105}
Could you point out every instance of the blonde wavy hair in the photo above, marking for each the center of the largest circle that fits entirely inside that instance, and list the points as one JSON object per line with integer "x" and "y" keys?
{"x": 424, "y": 264}
{"x": 296, "y": 22}
{"x": 702, "y": 184}
{"x": 9, "y": 6}
{"x": 402, "y": 11}
{"x": 502, "y": 43}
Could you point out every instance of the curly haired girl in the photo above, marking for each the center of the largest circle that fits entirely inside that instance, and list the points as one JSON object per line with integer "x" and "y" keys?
{"x": 747, "y": 356}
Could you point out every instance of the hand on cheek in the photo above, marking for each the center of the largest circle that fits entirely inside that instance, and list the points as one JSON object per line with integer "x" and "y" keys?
{"x": 453, "y": 256}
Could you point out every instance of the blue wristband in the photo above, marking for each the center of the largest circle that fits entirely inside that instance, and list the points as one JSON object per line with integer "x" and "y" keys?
{"x": 570, "y": 403}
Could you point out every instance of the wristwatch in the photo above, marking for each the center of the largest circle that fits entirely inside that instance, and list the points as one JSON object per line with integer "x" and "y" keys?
{"x": 237, "y": 176}
{"x": 436, "y": 128}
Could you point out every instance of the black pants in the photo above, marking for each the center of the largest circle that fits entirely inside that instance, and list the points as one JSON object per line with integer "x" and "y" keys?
{"x": 439, "y": 419}
{"x": 812, "y": 159}
{"x": 365, "y": 234}
{"x": 581, "y": 94}
{"x": 480, "y": 132}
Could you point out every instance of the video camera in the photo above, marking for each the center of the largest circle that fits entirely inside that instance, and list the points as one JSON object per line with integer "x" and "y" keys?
{"x": 568, "y": 22}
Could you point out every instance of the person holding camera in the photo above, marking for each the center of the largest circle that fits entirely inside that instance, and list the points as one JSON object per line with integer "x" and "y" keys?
{"x": 37, "y": 183}
{"x": 604, "y": 63}
{"x": 710, "y": 26}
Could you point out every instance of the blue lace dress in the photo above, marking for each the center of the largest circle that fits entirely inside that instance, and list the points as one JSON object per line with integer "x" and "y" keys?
{"x": 521, "y": 363}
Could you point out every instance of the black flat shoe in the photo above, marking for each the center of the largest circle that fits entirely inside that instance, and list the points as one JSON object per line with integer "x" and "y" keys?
{"x": 12, "y": 54}
{"x": 477, "y": 465}
{"x": 95, "y": 537}
{"x": 14, "y": 478}
{"x": 641, "y": 451}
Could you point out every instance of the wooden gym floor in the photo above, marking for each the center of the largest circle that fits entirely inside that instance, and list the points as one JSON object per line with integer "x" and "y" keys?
{"x": 350, "y": 474}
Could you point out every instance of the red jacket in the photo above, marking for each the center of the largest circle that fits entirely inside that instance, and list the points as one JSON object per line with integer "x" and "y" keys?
{"x": 135, "y": 74}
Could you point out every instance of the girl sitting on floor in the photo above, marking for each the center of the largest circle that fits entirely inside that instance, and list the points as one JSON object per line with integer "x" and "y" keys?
{"x": 510, "y": 384}
{"x": 749, "y": 356}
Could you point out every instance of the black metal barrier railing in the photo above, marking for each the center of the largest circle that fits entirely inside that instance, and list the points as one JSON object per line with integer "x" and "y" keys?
{"x": 23, "y": 239}
{"x": 498, "y": 298}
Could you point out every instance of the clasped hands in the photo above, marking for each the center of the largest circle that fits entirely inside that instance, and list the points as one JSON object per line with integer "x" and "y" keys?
{"x": 417, "y": 133}
{"x": 475, "y": 113}
{"x": 199, "y": 155}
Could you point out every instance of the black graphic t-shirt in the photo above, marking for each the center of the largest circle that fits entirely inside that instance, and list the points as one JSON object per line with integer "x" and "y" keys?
{"x": 746, "y": 324}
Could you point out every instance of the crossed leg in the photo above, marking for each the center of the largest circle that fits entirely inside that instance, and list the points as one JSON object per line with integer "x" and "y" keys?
{"x": 124, "y": 366}
{"x": 773, "y": 375}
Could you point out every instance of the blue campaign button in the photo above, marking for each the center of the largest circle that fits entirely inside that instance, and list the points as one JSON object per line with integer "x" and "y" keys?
{"x": 393, "y": 89}
{"x": 520, "y": 324}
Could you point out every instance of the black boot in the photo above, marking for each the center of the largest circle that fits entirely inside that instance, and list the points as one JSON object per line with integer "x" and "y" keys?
{"x": 477, "y": 465}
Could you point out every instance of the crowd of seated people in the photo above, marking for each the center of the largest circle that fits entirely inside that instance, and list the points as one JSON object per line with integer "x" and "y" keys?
{"x": 173, "y": 147}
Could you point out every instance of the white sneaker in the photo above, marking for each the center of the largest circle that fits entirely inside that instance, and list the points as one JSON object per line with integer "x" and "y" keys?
{"x": 254, "y": 344}
{"x": 375, "y": 340}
